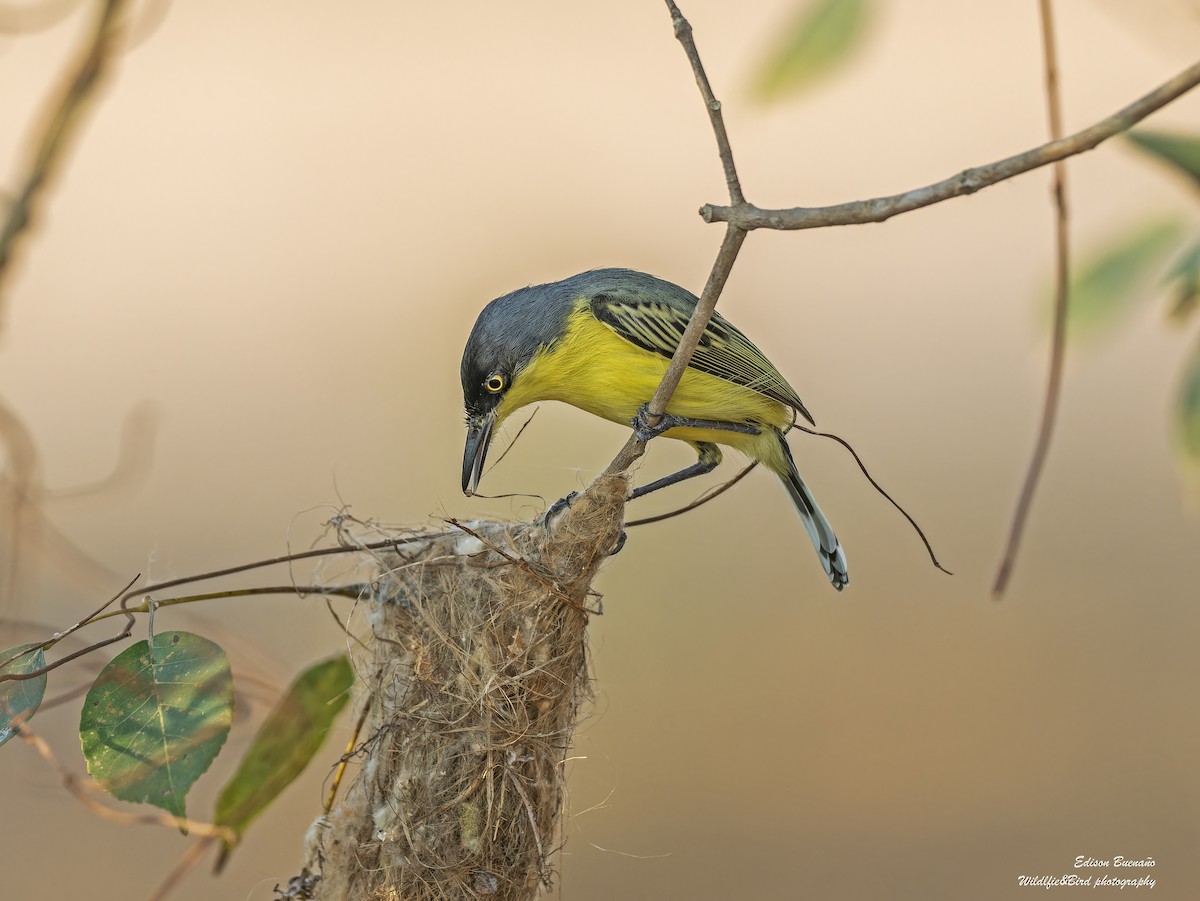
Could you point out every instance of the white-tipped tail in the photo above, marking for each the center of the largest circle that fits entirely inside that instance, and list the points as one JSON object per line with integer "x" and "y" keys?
{"x": 829, "y": 549}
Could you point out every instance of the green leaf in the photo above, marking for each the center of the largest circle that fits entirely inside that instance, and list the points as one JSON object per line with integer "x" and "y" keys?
{"x": 19, "y": 700}
{"x": 1181, "y": 152}
{"x": 1187, "y": 410}
{"x": 820, "y": 37}
{"x": 1107, "y": 284}
{"x": 1186, "y": 275}
{"x": 285, "y": 743}
{"x": 156, "y": 717}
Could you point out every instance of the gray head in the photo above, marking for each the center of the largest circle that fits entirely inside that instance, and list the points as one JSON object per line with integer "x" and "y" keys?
{"x": 508, "y": 333}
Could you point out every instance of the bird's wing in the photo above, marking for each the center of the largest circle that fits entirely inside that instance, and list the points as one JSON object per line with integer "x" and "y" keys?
{"x": 657, "y": 326}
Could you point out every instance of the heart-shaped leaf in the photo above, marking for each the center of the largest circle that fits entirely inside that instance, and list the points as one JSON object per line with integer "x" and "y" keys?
{"x": 156, "y": 717}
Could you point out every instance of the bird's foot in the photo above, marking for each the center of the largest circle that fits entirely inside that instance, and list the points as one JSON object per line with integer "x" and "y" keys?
{"x": 644, "y": 431}
{"x": 616, "y": 548}
{"x": 559, "y": 506}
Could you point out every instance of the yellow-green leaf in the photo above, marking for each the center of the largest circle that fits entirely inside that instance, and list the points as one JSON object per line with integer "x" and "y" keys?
{"x": 19, "y": 699}
{"x": 285, "y": 743}
{"x": 1185, "y": 279}
{"x": 156, "y": 717}
{"x": 1181, "y": 152}
{"x": 820, "y": 37}
{"x": 1115, "y": 278}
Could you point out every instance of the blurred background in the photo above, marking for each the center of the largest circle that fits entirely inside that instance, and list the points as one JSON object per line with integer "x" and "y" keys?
{"x": 260, "y": 264}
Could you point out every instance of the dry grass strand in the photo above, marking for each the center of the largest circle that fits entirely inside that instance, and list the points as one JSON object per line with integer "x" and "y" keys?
{"x": 476, "y": 675}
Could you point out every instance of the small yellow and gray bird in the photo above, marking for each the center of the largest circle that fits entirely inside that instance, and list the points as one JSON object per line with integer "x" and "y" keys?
{"x": 601, "y": 341}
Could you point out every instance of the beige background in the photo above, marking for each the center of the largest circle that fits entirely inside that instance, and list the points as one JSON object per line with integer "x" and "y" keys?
{"x": 278, "y": 228}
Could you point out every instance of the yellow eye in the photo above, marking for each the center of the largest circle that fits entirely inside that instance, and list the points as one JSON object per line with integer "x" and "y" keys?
{"x": 495, "y": 383}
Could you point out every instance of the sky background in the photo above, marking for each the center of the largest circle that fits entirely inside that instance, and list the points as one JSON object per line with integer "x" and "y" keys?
{"x": 271, "y": 241}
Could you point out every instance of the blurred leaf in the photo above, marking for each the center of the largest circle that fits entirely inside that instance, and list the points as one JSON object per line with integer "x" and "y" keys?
{"x": 1187, "y": 410}
{"x": 156, "y": 717}
{"x": 285, "y": 744}
{"x": 1182, "y": 152}
{"x": 819, "y": 38}
{"x": 20, "y": 700}
{"x": 1106, "y": 285}
{"x": 1186, "y": 273}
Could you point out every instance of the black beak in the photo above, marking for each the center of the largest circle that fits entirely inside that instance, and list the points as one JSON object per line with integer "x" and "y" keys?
{"x": 479, "y": 436}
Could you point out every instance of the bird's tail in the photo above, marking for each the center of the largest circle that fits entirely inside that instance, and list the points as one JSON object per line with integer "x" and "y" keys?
{"x": 829, "y": 549}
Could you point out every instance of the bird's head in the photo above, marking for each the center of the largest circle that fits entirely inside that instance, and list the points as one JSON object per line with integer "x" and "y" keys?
{"x": 509, "y": 333}
{"x": 485, "y": 380}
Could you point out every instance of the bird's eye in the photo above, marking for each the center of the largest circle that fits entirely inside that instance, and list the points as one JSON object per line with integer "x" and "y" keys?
{"x": 495, "y": 383}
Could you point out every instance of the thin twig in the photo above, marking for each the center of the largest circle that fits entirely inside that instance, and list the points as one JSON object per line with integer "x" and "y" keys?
{"x": 344, "y": 761}
{"x": 51, "y": 642}
{"x": 95, "y": 646}
{"x": 59, "y": 636}
{"x": 703, "y": 499}
{"x": 879, "y": 209}
{"x": 79, "y": 789}
{"x": 730, "y": 246}
{"x": 683, "y": 32}
{"x": 352, "y": 591}
{"x": 127, "y": 593}
{"x": 1058, "y": 342}
{"x": 187, "y": 862}
{"x": 149, "y": 605}
{"x": 61, "y": 119}
{"x": 718, "y": 276}
{"x": 384, "y": 544}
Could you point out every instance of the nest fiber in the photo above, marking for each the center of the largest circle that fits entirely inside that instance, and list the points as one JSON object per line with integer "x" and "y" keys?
{"x": 475, "y": 674}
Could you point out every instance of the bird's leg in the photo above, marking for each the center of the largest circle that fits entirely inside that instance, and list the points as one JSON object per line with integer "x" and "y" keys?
{"x": 710, "y": 456}
{"x": 644, "y": 431}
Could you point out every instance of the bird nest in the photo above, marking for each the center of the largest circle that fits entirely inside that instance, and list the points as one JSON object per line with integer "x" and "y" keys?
{"x": 473, "y": 677}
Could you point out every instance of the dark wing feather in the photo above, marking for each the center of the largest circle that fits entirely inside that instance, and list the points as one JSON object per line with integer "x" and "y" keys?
{"x": 657, "y": 325}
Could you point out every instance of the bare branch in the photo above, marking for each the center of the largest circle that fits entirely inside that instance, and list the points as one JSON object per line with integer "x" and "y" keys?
{"x": 62, "y": 117}
{"x": 880, "y": 209}
{"x": 710, "y": 494}
{"x": 683, "y": 32}
{"x": 1058, "y": 343}
{"x": 734, "y": 236}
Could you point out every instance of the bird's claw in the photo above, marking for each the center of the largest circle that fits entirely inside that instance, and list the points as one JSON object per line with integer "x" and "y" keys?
{"x": 616, "y": 548}
{"x": 560, "y": 505}
{"x": 644, "y": 430}
{"x": 564, "y": 503}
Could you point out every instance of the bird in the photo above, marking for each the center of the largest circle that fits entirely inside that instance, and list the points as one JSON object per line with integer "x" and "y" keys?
{"x": 601, "y": 341}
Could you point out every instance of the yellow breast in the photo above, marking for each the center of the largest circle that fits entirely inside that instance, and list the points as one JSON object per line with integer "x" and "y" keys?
{"x": 593, "y": 368}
